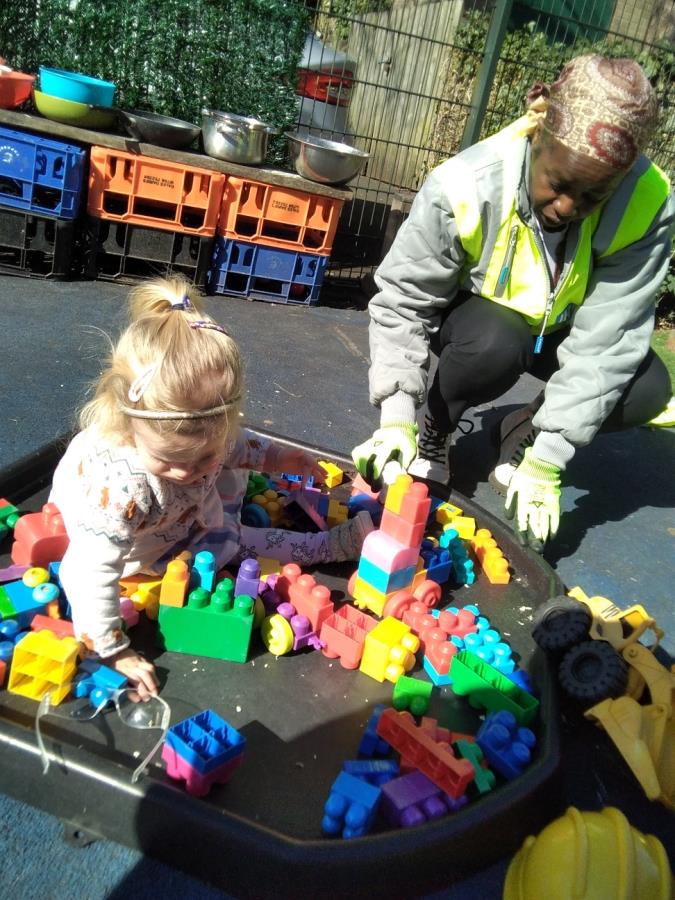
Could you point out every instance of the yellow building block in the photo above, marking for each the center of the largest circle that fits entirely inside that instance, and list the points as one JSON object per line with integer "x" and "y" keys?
{"x": 389, "y": 650}
{"x": 334, "y": 474}
{"x": 365, "y": 596}
{"x": 465, "y": 526}
{"x": 396, "y": 492}
{"x": 268, "y": 566}
{"x": 446, "y": 512}
{"x": 43, "y": 663}
{"x": 337, "y": 513}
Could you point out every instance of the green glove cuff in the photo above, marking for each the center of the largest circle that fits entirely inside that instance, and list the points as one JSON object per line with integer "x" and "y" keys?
{"x": 533, "y": 467}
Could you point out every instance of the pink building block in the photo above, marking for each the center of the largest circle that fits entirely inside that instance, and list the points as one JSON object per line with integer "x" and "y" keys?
{"x": 195, "y": 783}
{"x": 343, "y": 635}
{"x": 387, "y": 554}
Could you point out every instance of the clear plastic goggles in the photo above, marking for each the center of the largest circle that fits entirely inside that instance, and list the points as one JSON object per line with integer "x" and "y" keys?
{"x": 151, "y": 714}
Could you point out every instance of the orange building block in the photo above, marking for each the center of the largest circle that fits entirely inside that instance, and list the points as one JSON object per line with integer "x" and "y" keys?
{"x": 491, "y": 558}
{"x": 40, "y": 538}
{"x": 174, "y": 585}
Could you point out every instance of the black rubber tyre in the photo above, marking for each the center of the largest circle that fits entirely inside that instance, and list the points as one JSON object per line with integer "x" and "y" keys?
{"x": 593, "y": 671}
{"x": 561, "y": 623}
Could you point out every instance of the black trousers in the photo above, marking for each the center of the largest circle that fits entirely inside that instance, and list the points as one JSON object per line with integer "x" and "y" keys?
{"x": 483, "y": 348}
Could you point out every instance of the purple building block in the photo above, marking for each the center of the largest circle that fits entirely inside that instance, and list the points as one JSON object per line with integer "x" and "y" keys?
{"x": 248, "y": 579}
{"x": 413, "y": 799}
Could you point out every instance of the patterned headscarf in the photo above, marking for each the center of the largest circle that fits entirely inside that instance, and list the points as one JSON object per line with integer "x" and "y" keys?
{"x": 599, "y": 107}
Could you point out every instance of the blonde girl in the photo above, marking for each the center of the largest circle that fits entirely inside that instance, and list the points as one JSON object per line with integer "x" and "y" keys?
{"x": 161, "y": 465}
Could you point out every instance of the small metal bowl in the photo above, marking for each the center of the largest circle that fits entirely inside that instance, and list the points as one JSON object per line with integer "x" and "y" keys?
{"x": 328, "y": 162}
{"x": 237, "y": 139}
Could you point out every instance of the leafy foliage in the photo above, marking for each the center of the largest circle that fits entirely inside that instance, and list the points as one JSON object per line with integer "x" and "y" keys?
{"x": 169, "y": 56}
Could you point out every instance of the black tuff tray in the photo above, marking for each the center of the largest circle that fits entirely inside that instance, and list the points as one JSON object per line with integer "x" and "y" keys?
{"x": 302, "y": 716}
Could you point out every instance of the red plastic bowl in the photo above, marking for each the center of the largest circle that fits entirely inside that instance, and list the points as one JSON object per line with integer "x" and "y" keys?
{"x": 15, "y": 87}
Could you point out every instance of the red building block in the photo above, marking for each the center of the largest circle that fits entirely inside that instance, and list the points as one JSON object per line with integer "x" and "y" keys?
{"x": 309, "y": 598}
{"x": 407, "y": 533}
{"x": 435, "y": 759}
{"x": 60, "y": 627}
{"x": 344, "y": 634}
{"x": 3, "y": 671}
{"x": 39, "y": 538}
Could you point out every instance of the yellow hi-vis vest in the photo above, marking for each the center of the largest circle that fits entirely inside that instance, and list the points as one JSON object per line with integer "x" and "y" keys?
{"x": 514, "y": 273}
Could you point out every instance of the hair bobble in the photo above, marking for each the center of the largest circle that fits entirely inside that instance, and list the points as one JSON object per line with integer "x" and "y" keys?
{"x": 182, "y": 304}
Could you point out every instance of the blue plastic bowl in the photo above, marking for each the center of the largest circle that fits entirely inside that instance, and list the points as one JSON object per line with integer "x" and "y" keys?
{"x": 77, "y": 87}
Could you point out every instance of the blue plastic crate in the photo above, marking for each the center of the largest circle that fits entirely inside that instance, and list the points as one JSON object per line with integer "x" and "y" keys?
{"x": 40, "y": 175}
{"x": 265, "y": 273}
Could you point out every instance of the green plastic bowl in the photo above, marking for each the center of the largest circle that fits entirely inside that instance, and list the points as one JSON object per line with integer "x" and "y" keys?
{"x": 70, "y": 112}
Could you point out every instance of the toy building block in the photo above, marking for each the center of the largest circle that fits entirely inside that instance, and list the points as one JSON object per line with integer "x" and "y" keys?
{"x": 203, "y": 750}
{"x": 351, "y": 807}
{"x": 308, "y": 504}
{"x": 389, "y": 650}
{"x": 97, "y": 682}
{"x": 462, "y": 566}
{"x": 361, "y": 486}
{"x": 465, "y": 526}
{"x": 371, "y": 743}
{"x": 444, "y": 513}
{"x": 334, "y": 474}
{"x": 9, "y": 516}
{"x": 506, "y": 745}
{"x": 287, "y": 630}
{"x": 264, "y": 509}
{"x": 128, "y": 613}
{"x": 43, "y": 663}
{"x": 358, "y": 502}
{"x": 343, "y": 635}
{"x": 175, "y": 584}
{"x": 204, "y": 571}
{"x": 217, "y": 626}
{"x": 3, "y": 671}
{"x": 60, "y": 627}
{"x": 21, "y": 602}
{"x": 488, "y": 645}
{"x": 337, "y": 513}
{"x": 268, "y": 566}
{"x": 483, "y": 778}
{"x": 39, "y": 538}
{"x": 437, "y": 561}
{"x": 248, "y": 579}
{"x": 412, "y": 694}
{"x": 309, "y": 598}
{"x": 429, "y": 726}
{"x": 413, "y": 799}
{"x": 435, "y": 759}
{"x": 257, "y": 484}
{"x": 491, "y": 558}
{"x": 144, "y": 591}
{"x": 438, "y": 655}
{"x": 12, "y": 573}
{"x": 374, "y": 771}
{"x": 488, "y": 688}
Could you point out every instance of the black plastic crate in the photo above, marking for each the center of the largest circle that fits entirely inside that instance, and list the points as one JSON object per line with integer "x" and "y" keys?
{"x": 117, "y": 251}
{"x": 36, "y": 246}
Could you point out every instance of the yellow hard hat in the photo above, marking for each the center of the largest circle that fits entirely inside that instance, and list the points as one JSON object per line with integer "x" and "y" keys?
{"x": 590, "y": 856}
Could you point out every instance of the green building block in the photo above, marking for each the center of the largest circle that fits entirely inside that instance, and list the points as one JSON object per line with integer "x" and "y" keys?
{"x": 217, "y": 625}
{"x": 7, "y": 610}
{"x": 484, "y": 779}
{"x": 413, "y": 694}
{"x": 487, "y": 688}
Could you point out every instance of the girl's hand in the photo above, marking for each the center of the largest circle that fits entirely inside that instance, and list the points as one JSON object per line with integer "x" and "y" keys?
{"x": 295, "y": 461}
{"x": 138, "y": 670}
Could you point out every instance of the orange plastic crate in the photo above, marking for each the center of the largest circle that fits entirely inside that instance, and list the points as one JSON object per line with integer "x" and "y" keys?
{"x": 156, "y": 193}
{"x": 278, "y": 217}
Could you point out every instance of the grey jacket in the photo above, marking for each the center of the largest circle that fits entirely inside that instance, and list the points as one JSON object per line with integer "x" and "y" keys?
{"x": 426, "y": 266}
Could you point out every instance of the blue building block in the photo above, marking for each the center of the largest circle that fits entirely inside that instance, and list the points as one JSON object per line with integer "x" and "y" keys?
{"x": 522, "y": 679}
{"x": 437, "y": 561}
{"x": 488, "y": 646}
{"x": 96, "y": 681}
{"x": 374, "y": 771}
{"x": 382, "y": 581}
{"x": 359, "y": 502}
{"x": 203, "y": 571}
{"x": 24, "y": 601}
{"x": 205, "y": 741}
{"x": 371, "y": 743}
{"x": 351, "y": 807}
{"x": 506, "y": 746}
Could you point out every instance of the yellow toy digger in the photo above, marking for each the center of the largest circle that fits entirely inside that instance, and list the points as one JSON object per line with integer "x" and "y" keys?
{"x": 618, "y": 680}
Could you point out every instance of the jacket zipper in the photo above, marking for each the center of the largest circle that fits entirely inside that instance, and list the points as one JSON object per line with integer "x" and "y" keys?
{"x": 551, "y": 295}
{"x": 505, "y": 271}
